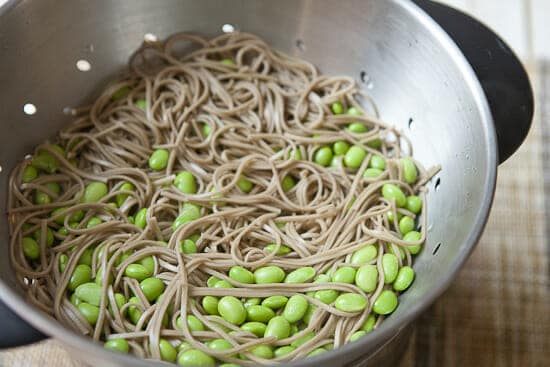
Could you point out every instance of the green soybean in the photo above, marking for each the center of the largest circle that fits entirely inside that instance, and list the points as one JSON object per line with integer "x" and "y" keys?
{"x": 152, "y": 288}
{"x": 377, "y": 161}
{"x": 357, "y": 128}
{"x": 90, "y": 312}
{"x": 137, "y": 271}
{"x": 254, "y": 327}
{"x": 288, "y": 183}
{"x": 369, "y": 323}
{"x": 232, "y": 310}
{"x": 167, "y": 351}
{"x": 31, "y": 249}
{"x": 245, "y": 185}
{"x": 210, "y": 305}
{"x": 316, "y": 352}
{"x": 295, "y": 154}
{"x": 283, "y": 250}
{"x": 414, "y": 204}
{"x": 303, "y": 339}
{"x": 336, "y": 162}
{"x": 252, "y": 302}
{"x": 323, "y": 156}
{"x": 354, "y": 111}
{"x": 295, "y": 308}
{"x": 194, "y": 324}
{"x": 195, "y": 358}
{"x": 386, "y": 303}
{"x": 371, "y": 173}
{"x": 275, "y": 302}
{"x": 93, "y": 221}
{"x": 120, "y": 93}
{"x": 413, "y": 236}
{"x": 269, "y": 274}
{"x": 141, "y": 104}
{"x": 357, "y": 335}
{"x": 364, "y": 255}
{"x": 228, "y": 62}
{"x": 89, "y": 292}
{"x": 337, "y": 108}
{"x": 29, "y": 174}
{"x": 344, "y": 274}
{"x": 219, "y": 344}
{"x": 406, "y": 224}
{"x": 149, "y": 263}
{"x": 223, "y": 284}
{"x": 241, "y": 275}
{"x": 188, "y": 247}
{"x": 390, "y": 264}
{"x": 354, "y": 156}
{"x": 159, "y": 159}
{"x": 326, "y": 296}
{"x": 309, "y": 313}
{"x": 340, "y": 147}
{"x": 259, "y": 313}
{"x": 390, "y": 216}
{"x": 404, "y": 279}
{"x": 188, "y": 213}
{"x": 41, "y": 198}
{"x": 121, "y": 198}
{"x": 410, "y": 174}
{"x": 212, "y": 280}
{"x": 185, "y": 182}
{"x": 300, "y": 275}
{"x": 283, "y": 351}
{"x": 94, "y": 192}
{"x": 133, "y": 311}
{"x": 350, "y": 302}
{"x": 141, "y": 218}
{"x": 120, "y": 301}
{"x": 391, "y": 191}
{"x": 367, "y": 278}
{"x": 206, "y": 130}
{"x": 262, "y": 351}
{"x": 117, "y": 345}
{"x": 45, "y": 161}
{"x": 81, "y": 274}
{"x": 75, "y": 300}
{"x": 279, "y": 327}
{"x": 63, "y": 260}
{"x": 76, "y": 216}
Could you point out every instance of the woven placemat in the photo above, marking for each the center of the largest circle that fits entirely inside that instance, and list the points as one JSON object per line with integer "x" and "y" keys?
{"x": 497, "y": 311}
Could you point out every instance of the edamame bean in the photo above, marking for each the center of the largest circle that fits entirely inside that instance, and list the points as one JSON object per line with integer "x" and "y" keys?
{"x": 323, "y": 156}
{"x": 369, "y": 323}
{"x": 390, "y": 216}
{"x": 414, "y": 204}
{"x": 41, "y": 198}
{"x": 262, "y": 351}
{"x": 133, "y": 311}
{"x": 386, "y": 303}
{"x": 141, "y": 104}
{"x": 367, "y": 278}
{"x": 251, "y": 302}
{"x": 81, "y": 274}
{"x": 296, "y": 308}
{"x": 120, "y": 93}
{"x": 391, "y": 191}
{"x": 29, "y": 174}
{"x": 89, "y": 292}
{"x": 76, "y": 216}
{"x": 94, "y": 221}
{"x": 283, "y": 250}
{"x": 357, "y": 128}
{"x": 406, "y": 224}
{"x": 364, "y": 255}
{"x": 63, "y": 260}
{"x": 159, "y": 159}
{"x": 121, "y": 198}
{"x": 229, "y": 365}
{"x": 94, "y": 192}
{"x": 259, "y": 313}
{"x": 185, "y": 182}
{"x": 354, "y": 111}
{"x": 117, "y": 345}
{"x": 410, "y": 173}
{"x": 377, "y": 161}
{"x": 340, "y": 147}
{"x": 167, "y": 351}
{"x": 303, "y": 339}
{"x": 149, "y": 263}
{"x": 336, "y": 162}
{"x": 195, "y": 358}
{"x": 283, "y": 351}
{"x": 245, "y": 185}
{"x": 206, "y": 130}
{"x": 188, "y": 246}
{"x": 269, "y": 274}
{"x": 413, "y": 236}
{"x": 49, "y": 236}
{"x": 288, "y": 183}
{"x": 45, "y": 161}
{"x": 316, "y": 352}
{"x": 90, "y": 312}
{"x": 219, "y": 344}
{"x": 188, "y": 213}
{"x": 404, "y": 279}
{"x": 223, "y": 284}
{"x": 31, "y": 249}
{"x": 212, "y": 280}
{"x": 278, "y": 327}
{"x": 337, "y": 108}
{"x": 137, "y": 271}
{"x": 350, "y": 302}
{"x": 357, "y": 335}
{"x": 141, "y": 218}
{"x": 194, "y": 324}
{"x": 152, "y": 288}
{"x": 295, "y": 154}
{"x": 300, "y": 275}
{"x": 326, "y": 296}
{"x": 354, "y": 157}
{"x": 241, "y": 275}
{"x": 254, "y": 327}
{"x": 390, "y": 264}
{"x": 232, "y": 310}
{"x": 228, "y": 62}
{"x": 210, "y": 305}
{"x": 275, "y": 302}
{"x": 371, "y": 173}
{"x": 120, "y": 301}
{"x": 309, "y": 313}
{"x": 344, "y": 274}
{"x": 75, "y": 300}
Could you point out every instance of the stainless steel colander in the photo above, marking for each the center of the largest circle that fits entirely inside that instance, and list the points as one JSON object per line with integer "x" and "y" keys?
{"x": 450, "y": 91}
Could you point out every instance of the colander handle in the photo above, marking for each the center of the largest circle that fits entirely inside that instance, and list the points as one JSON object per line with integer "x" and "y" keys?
{"x": 502, "y": 76}
{"x": 15, "y": 331}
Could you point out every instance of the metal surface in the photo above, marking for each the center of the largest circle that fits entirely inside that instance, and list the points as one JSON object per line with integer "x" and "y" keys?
{"x": 418, "y": 77}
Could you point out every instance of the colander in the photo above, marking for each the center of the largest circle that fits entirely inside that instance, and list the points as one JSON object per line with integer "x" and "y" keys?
{"x": 450, "y": 84}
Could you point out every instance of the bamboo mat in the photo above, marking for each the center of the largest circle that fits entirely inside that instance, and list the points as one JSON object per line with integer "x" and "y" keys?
{"x": 497, "y": 312}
